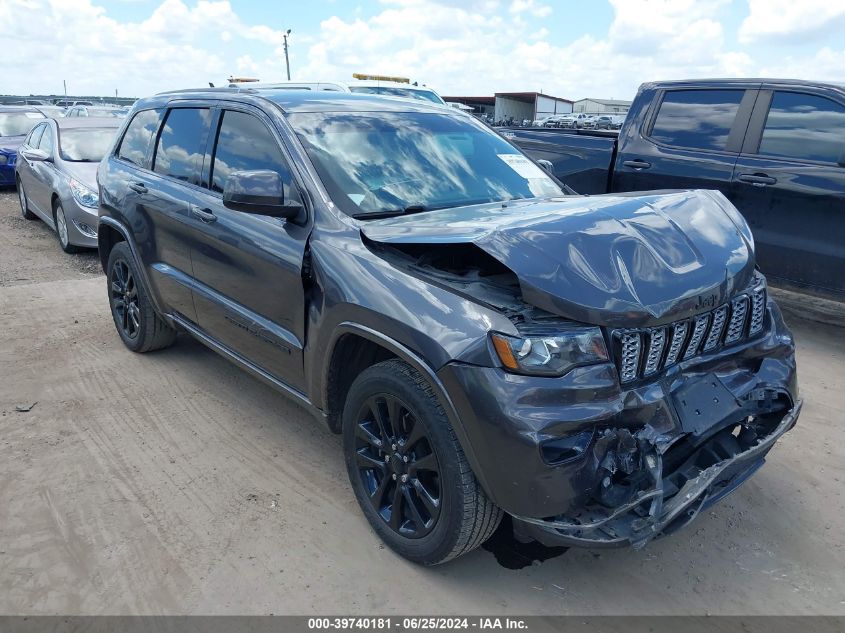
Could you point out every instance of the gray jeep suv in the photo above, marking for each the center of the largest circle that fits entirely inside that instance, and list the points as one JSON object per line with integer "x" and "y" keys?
{"x": 598, "y": 368}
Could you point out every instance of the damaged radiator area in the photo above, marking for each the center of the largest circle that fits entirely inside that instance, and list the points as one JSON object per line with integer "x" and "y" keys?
{"x": 466, "y": 270}
{"x": 648, "y": 484}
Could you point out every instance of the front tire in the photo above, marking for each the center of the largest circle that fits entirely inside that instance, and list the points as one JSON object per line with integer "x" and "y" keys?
{"x": 62, "y": 230}
{"x": 407, "y": 469}
{"x": 140, "y": 327}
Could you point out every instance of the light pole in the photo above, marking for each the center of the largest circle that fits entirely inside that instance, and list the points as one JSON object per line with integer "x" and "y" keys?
{"x": 287, "y": 61}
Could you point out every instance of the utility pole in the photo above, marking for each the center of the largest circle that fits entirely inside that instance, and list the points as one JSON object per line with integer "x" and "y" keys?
{"x": 287, "y": 61}
{"x": 64, "y": 81}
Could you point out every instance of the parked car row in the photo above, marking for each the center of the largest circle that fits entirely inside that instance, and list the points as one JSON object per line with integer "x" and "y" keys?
{"x": 581, "y": 120}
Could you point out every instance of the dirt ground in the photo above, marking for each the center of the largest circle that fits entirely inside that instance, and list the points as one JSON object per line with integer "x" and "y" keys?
{"x": 175, "y": 483}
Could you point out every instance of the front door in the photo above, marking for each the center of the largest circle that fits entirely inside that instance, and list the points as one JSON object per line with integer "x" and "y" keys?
{"x": 249, "y": 292}
{"x": 789, "y": 185}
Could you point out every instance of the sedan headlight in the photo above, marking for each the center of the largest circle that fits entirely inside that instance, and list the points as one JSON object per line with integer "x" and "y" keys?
{"x": 543, "y": 351}
{"x": 83, "y": 195}
{"x": 3, "y": 159}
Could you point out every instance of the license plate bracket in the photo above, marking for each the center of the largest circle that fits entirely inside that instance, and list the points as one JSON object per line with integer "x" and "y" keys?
{"x": 702, "y": 403}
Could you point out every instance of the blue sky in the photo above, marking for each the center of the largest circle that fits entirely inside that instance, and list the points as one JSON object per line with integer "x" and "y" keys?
{"x": 600, "y": 48}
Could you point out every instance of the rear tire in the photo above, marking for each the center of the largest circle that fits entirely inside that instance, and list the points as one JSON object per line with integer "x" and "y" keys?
{"x": 25, "y": 212}
{"x": 401, "y": 452}
{"x": 140, "y": 327}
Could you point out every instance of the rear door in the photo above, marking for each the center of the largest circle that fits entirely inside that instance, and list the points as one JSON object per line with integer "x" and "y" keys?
{"x": 249, "y": 291}
{"x": 172, "y": 188}
{"x": 688, "y": 138}
{"x": 789, "y": 183}
{"x": 153, "y": 202}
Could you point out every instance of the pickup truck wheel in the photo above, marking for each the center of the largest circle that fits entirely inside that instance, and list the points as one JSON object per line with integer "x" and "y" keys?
{"x": 407, "y": 469}
{"x": 140, "y": 328}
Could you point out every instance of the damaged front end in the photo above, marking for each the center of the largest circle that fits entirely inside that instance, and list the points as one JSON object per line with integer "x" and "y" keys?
{"x": 682, "y": 380}
{"x": 646, "y": 485}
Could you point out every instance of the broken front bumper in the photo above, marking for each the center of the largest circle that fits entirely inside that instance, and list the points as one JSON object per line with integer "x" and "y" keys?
{"x": 583, "y": 460}
{"x": 650, "y": 514}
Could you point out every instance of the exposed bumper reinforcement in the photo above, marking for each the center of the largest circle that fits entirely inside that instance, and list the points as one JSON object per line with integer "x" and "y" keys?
{"x": 630, "y": 524}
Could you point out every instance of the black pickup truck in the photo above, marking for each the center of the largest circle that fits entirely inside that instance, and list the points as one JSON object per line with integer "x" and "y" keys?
{"x": 775, "y": 148}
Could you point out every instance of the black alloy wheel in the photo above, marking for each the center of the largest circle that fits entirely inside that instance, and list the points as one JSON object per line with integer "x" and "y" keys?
{"x": 140, "y": 327}
{"x": 407, "y": 468}
{"x": 398, "y": 466}
{"x": 124, "y": 295}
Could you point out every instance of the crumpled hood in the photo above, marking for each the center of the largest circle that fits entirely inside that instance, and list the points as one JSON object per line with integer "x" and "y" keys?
{"x": 620, "y": 260}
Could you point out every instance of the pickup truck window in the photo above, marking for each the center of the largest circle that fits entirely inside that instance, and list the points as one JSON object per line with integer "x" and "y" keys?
{"x": 181, "y": 144}
{"x": 245, "y": 143}
{"x": 138, "y": 137}
{"x": 698, "y": 119}
{"x": 804, "y": 126}
{"x": 384, "y": 162}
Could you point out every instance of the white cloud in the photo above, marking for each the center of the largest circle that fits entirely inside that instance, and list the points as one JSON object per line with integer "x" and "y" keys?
{"x": 455, "y": 46}
{"x": 786, "y": 21}
{"x": 530, "y": 6}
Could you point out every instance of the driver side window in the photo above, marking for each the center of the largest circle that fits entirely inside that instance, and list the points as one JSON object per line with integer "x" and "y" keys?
{"x": 244, "y": 143}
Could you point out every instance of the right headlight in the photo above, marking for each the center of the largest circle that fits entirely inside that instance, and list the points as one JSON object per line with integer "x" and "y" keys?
{"x": 550, "y": 351}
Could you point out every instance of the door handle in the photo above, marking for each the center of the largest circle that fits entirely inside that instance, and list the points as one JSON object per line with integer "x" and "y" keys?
{"x": 138, "y": 187}
{"x": 758, "y": 180}
{"x": 636, "y": 164}
{"x": 203, "y": 214}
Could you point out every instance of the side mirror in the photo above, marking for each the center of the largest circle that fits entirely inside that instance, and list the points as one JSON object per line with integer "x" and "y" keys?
{"x": 38, "y": 155}
{"x": 260, "y": 192}
{"x": 546, "y": 164}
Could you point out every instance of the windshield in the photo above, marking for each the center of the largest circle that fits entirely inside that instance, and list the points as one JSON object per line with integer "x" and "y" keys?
{"x": 115, "y": 112}
{"x": 385, "y": 162}
{"x": 389, "y": 91}
{"x": 18, "y": 123}
{"x": 85, "y": 144}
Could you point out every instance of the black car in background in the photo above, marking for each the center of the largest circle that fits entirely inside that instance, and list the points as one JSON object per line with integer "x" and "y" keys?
{"x": 774, "y": 147}
{"x": 599, "y": 368}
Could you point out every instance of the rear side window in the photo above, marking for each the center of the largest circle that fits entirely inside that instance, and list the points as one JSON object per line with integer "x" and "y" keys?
{"x": 245, "y": 143}
{"x": 138, "y": 137}
{"x": 698, "y": 119}
{"x": 181, "y": 144}
{"x": 804, "y": 126}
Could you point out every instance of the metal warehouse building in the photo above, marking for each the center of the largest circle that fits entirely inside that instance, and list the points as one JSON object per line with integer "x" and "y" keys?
{"x": 602, "y": 106}
{"x": 516, "y": 105}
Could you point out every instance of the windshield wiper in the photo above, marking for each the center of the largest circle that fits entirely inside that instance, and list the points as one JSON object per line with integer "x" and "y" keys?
{"x": 391, "y": 213}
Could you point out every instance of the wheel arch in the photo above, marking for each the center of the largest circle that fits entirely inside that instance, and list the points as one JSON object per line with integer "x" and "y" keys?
{"x": 336, "y": 378}
{"x": 111, "y": 232}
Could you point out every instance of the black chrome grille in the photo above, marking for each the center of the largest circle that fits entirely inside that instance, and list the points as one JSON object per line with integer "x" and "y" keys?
{"x": 644, "y": 352}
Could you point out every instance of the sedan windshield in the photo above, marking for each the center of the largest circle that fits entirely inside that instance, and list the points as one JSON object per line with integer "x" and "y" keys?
{"x": 85, "y": 144}
{"x": 395, "y": 162}
{"x": 18, "y": 123}
{"x": 114, "y": 112}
